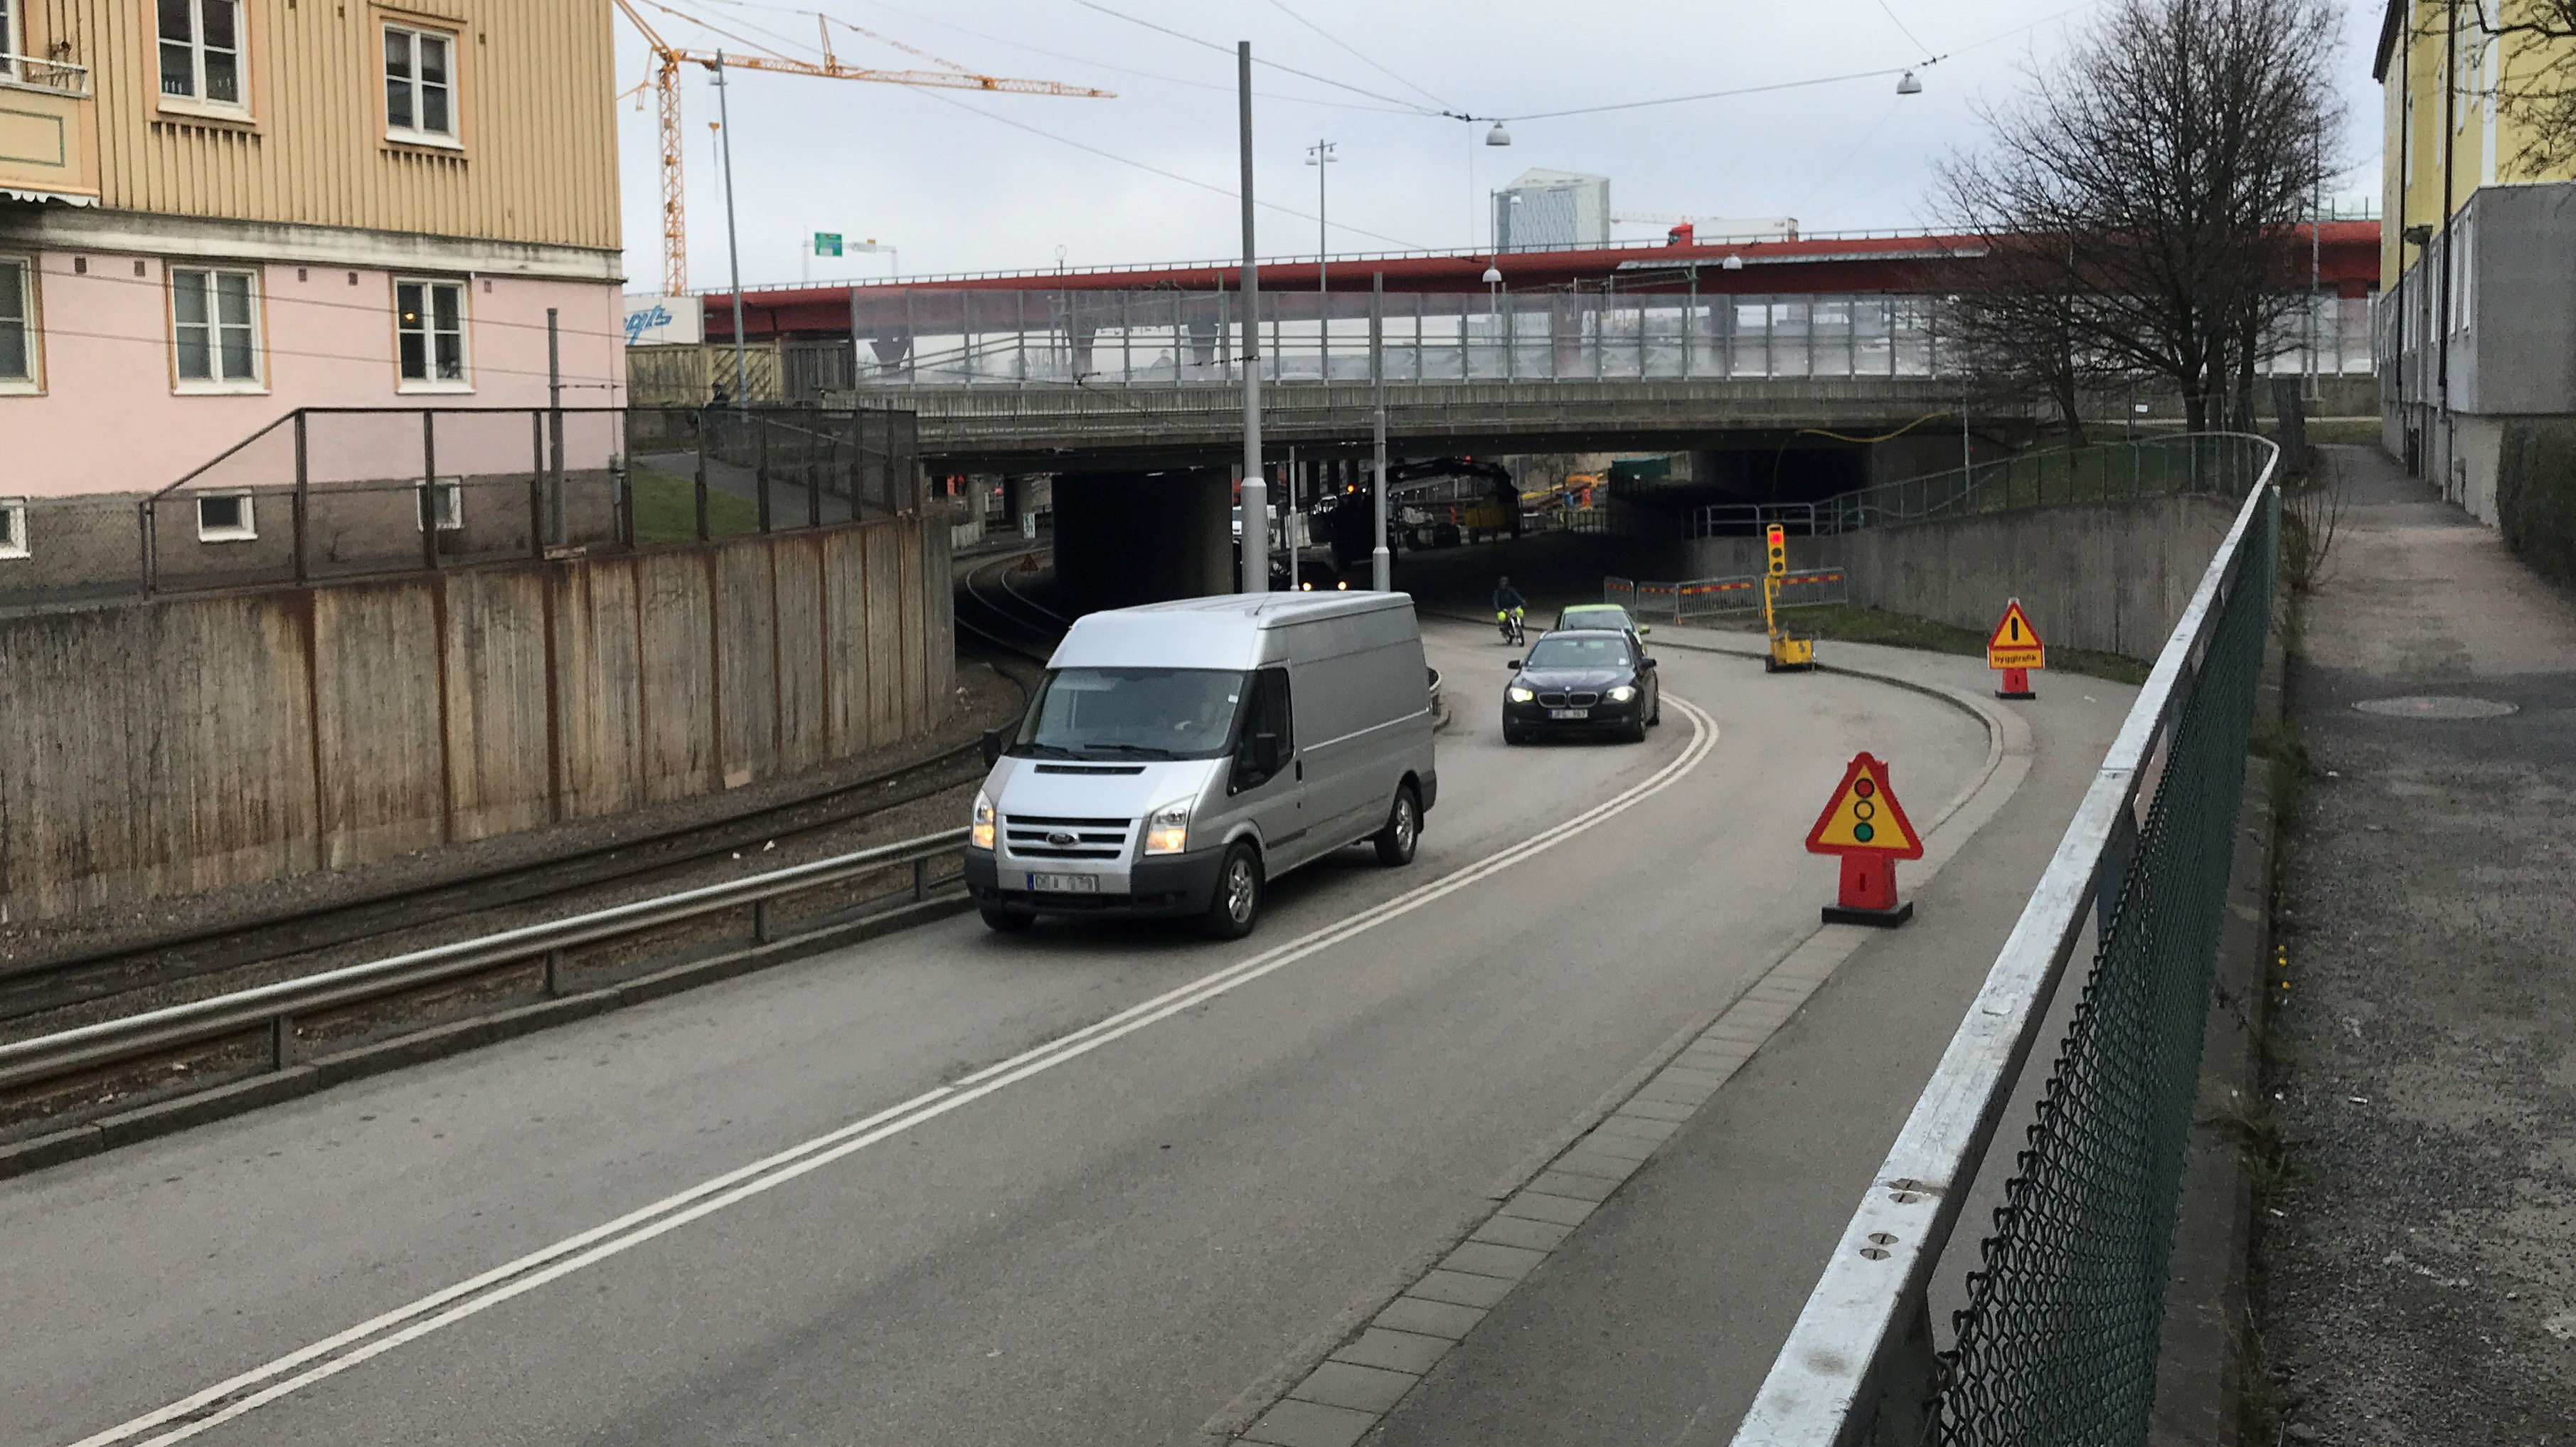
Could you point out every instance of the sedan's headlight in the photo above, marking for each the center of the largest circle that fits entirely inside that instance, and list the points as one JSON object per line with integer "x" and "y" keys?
{"x": 1167, "y": 830}
{"x": 1622, "y": 693}
{"x": 981, "y": 836}
{"x": 1518, "y": 694}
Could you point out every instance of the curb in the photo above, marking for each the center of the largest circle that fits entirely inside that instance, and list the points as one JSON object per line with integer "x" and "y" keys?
{"x": 1348, "y": 1378}
{"x": 452, "y": 1038}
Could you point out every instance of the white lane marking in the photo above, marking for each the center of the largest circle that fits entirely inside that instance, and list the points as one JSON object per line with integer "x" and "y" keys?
{"x": 232, "y": 1398}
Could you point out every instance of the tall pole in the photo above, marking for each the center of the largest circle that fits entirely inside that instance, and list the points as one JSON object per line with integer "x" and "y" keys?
{"x": 2442, "y": 326}
{"x": 1381, "y": 570}
{"x": 1319, "y": 156}
{"x": 554, "y": 421}
{"x": 1256, "y": 491}
{"x": 733, "y": 242}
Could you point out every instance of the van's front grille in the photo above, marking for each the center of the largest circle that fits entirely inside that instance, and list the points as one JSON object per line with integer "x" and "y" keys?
{"x": 1054, "y": 836}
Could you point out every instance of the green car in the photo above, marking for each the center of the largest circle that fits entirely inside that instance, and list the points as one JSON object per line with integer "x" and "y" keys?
{"x": 1601, "y": 615}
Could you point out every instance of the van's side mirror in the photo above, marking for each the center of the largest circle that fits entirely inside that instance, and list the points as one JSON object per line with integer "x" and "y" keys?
{"x": 1264, "y": 749}
{"x": 992, "y": 746}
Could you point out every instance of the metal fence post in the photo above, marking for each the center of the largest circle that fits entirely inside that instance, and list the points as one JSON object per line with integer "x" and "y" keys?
{"x": 554, "y": 974}
{"x": 760, "y": 921}
{"x": 281, "y": 1041}
{"x": 303, "y": 502}
{"x": 145, "y": 562}
{"x": 921, "y": 879}
{"x": 760, "y": 477}
{"x": 428, "y": 504}
{"x": 537, "y": 486}
{"x": 706, "y": 419}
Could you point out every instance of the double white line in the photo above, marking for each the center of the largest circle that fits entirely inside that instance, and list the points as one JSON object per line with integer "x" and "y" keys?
{"x": 299, "y": 1369}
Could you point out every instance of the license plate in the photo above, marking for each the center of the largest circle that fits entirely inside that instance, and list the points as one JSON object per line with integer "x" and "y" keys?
{"x": 1065, "y": 883}
{"x": 1569, "y": 713}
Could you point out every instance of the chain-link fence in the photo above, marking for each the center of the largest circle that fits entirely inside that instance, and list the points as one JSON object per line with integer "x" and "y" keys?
{"x": 2057, "y": 1345}
{"x": 2058, "y": 1342}
{"x": 330, "y": 493}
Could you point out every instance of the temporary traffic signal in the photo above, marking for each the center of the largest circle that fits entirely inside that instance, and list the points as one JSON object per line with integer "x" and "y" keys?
{"x": 1868, "y": 828}
{"x": 1776, "y": 538}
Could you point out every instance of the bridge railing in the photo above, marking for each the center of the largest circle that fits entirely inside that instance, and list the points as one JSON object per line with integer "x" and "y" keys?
{"x": 2058, "y": 1341}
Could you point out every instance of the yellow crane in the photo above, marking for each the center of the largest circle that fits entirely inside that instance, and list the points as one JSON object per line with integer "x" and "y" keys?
{"x": 668, "y": 58}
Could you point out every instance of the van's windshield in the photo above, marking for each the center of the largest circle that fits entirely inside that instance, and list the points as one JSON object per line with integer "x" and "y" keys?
{"x": 1140, "y": 713}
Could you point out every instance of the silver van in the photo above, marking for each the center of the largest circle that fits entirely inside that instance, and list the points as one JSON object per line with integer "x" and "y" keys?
{"x": 1179, "y": 756}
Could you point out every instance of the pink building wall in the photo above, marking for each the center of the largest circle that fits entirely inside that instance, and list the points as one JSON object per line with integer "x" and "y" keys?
{"x": 111, "y": 418}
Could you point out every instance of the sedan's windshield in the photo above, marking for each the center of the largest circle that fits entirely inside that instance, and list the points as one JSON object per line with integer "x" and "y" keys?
{"x": 1133, "y": 713}
{"x": 1559, "y": 650}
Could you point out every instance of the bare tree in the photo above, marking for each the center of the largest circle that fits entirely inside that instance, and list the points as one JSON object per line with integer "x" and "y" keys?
{"x": 2532, "y": 70}
{"x": 2144, "y": 192}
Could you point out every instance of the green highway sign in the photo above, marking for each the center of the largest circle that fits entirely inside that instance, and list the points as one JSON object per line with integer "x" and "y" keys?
{"x": 827, "y": 243}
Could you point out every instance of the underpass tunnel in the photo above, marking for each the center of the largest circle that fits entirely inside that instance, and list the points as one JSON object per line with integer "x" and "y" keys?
{"x": 1123, "y": 538}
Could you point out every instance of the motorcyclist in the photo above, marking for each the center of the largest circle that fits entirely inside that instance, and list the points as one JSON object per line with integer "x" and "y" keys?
{"x": 1508, "y": 604}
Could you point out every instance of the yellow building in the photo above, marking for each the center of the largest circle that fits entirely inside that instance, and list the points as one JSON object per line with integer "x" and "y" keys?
{"x": 213, "y": 212}
{"x": 2476, "y": 334}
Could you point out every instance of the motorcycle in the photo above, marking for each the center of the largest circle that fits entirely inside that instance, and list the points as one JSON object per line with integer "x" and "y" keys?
{"x": 1510, "y": 621}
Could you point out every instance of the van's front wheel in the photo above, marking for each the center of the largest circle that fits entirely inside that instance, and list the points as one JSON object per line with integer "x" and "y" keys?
{"x": 1237, "y": 905}
{"x": 1403, "y": 832}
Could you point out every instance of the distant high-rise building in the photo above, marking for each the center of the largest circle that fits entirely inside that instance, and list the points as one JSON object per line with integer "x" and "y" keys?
{"x": 1552, "y": 208}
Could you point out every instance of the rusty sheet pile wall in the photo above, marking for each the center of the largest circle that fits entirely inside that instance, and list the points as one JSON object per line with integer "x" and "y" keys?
{"x": 159, "y": 749}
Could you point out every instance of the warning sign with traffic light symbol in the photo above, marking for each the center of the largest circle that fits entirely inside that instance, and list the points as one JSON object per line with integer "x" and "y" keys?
{"x": 1864, "y": 816}
{"x": 1776, "y": 538}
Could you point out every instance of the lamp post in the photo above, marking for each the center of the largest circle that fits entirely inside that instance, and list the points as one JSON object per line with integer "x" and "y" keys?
{"x": 1319, "y": 156}
{"x": 1256, "y": 490}
{"x": 733, "y": 242}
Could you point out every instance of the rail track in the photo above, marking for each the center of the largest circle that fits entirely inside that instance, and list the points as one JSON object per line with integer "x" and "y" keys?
{"x": 1012, "y": 631}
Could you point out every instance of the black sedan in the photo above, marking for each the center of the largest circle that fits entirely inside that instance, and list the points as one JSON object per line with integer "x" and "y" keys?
{"x": 1582, "y": 680}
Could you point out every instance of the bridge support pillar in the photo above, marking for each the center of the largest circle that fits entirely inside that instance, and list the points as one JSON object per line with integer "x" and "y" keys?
{"x": 1123, "y": 538}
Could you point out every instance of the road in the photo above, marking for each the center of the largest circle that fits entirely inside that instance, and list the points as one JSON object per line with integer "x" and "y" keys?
{"x": 1117, "y": 1238}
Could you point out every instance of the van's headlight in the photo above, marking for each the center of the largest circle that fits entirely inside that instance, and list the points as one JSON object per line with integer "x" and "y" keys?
{"x": 981, "y": 836}
{"x": 1622, "y": 693}
{"x": 1518, "y": 694}
{"x": 1167, "y": 830}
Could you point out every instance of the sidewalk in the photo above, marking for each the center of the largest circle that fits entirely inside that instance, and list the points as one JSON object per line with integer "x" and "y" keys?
{"x": 1655, "y": 1321}
{"x": 2421, "y": 1264}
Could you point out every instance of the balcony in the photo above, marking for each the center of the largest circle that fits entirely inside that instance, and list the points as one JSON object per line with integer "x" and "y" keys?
{"x": 48, "y": 131}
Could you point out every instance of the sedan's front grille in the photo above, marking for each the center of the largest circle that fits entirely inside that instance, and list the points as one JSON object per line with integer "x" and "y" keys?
{"x": 1583, "y": 700}
{"x": 1050, "y": 836}
{"x": 1552, "y": 700}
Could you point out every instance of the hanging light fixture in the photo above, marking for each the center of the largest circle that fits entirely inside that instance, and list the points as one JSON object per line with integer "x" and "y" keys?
{"x": 1500, "y": 137}
{"x": 1493, "y": 276}
{"x": 1906, "y": 84}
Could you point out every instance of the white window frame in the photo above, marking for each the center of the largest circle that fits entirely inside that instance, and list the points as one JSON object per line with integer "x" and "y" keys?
{"x": 10, "y": 24}
{"x": 196, "y": 98}
{"x": 417, "y": 134}
{"x": 13, "y": 521}
{"x": 448, "y": 505}
{"x": 247, "y": 530}
{"x": 31, "y": 321}
{"x": 428, "y": 334}
{"x": 216, "y": 379}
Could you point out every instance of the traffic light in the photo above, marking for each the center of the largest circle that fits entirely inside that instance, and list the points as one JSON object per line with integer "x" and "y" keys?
{"x": 1778, "y": 539}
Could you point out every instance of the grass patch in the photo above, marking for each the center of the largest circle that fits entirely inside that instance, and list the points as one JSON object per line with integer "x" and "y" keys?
{"x": 2355, "y": 431}
{"x": 666, "y": 509}
{"x": 1851, "y": 623}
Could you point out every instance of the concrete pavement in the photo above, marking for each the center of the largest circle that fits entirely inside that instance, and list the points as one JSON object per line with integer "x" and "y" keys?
{"x": 2417, "y": 1265}
{"x": 1119, "y": 1238}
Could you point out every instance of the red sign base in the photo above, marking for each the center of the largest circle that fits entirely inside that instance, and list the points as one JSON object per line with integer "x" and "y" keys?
{"x": 2016, "y": 684}
{"x": 1868, "y": 893}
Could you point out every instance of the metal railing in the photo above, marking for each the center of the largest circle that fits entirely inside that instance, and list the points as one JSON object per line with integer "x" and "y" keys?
{"x": 2058, "y": 1342}
{"x": 1691, "y": 598}
{"x": 274, "y": 1009}
{"x": 36, "y": 72}
{"x": 2217, "y": 464}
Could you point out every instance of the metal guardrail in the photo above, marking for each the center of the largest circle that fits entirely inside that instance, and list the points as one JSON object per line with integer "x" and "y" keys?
{"x": 2058, "y": 1343}
{"x": 277, "y": 1006}
{"x": 2211, "y": 463}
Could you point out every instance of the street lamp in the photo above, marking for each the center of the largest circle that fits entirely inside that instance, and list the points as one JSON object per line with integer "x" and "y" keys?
{"x": 1498, "y": 136}
{"x": 1906, "y": 84}
{"x": 1320, "y": 155}
{"x": 733, "y": 244}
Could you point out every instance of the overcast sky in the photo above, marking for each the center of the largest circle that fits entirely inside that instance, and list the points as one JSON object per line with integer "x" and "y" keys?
{"x": 946, "y": 177}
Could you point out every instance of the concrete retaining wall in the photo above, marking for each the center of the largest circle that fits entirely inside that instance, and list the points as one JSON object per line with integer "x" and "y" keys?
{"x": 159, "y": 749}
{"x": 2107, "y": 576}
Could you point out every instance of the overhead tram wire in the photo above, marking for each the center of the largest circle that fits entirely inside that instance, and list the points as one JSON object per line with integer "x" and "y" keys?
{"x": 1275, "y": 65}
{"x": 1282, "y": 7}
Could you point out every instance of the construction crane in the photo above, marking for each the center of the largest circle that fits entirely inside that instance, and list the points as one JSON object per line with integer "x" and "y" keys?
{"x": 668, "y": 58}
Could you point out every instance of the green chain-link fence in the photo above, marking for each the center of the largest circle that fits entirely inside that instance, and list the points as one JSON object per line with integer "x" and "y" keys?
{"x": 2058, "y": 1342}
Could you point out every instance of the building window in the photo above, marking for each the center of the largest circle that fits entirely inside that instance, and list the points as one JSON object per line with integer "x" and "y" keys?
{"x": 446, "y": 503}
{"x": 8, "y": 40}
{"x": 429, "y": 333}
{"x": 215, "y": 324}
{"x": 420, "y": 85}
{"x": 201, "y": 51}
{"x": 13, "y": 522}
{"x": 17, "y": 322}
{"x": 226, "y": 517}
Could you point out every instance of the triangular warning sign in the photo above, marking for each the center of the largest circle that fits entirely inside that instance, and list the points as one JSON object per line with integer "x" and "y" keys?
{"x": 2014, "y": 643}
{"x": 1864, "y": 817}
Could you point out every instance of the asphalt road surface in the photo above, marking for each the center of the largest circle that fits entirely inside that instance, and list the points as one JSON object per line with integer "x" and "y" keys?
{"x": 1089, "y": 1185}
